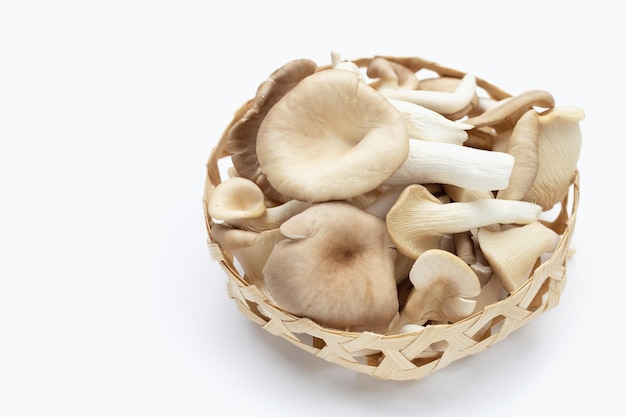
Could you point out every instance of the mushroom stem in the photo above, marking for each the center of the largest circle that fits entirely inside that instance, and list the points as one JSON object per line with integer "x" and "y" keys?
{"x": 464, "y": 247}
{"x": 425, "y": 124}
{"x": 272, "y": 218}
{"x": 445, "y": 163}
{"x": 418, "y": 220}
{"x": 439, "y": 101}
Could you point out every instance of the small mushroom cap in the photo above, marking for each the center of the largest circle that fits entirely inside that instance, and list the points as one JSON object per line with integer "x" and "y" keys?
{"x": 512, "y": 253}
{"x": 241, "y": 139}
{"x": 331, "y": 138}
{"x": 392, "y": 74}
{"x": 443, "y": 287}
{"x": 336, "y": 267}
{"x": 236, "y": 198}
{"x": 400, "y": 219}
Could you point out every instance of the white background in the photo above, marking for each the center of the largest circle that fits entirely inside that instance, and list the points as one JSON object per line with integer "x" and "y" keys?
{"x": 109, "y": 301}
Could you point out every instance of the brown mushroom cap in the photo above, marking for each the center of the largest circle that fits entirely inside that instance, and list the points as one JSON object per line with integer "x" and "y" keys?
{"x": 241, "y": 139}
{"x": 336, "y": 267}
{"x": 330, "y": 138}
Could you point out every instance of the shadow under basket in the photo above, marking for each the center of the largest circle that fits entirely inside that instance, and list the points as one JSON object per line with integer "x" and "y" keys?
{"x": 406, "y": 356}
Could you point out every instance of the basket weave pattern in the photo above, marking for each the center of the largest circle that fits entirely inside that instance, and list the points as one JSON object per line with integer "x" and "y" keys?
{"x": 399, "y": 356}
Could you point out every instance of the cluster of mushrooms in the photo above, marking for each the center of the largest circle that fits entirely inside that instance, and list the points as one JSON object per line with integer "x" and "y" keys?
{"x": 372, "y": 198}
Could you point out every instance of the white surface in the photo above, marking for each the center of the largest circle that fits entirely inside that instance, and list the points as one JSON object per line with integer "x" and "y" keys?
{"x": 109, "y": 301}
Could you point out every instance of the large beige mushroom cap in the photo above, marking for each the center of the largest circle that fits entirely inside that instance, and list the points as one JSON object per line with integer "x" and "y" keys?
{"x": 336, "y": 267}
{"x": 332, "y": 137}
{"x": 242, "y": 136}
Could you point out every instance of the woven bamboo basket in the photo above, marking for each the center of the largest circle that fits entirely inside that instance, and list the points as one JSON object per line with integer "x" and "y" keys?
{"x": 399, "y": 356}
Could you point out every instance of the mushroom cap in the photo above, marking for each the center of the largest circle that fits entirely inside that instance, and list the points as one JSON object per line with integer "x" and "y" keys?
{"x": 505, "y": 114}
{"x": 400, "y": 220}
{"x": 512, "y": 253}
{"x": 332, "y": 137}
{"x": 251, "y": 249}
{"x": 236, "y": 198}
{"x": 336, "y": 267}
{"x": 241, "y": 139}
{"x": 392, "y": 74}
{"x": 559, "y": 146}
{"x": 445, "y": 103}
{"x": 523, "y": 145}
{"x": 444, "y": 286}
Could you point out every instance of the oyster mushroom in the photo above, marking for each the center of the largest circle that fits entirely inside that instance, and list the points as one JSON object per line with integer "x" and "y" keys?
{"x": 440, "y": 101}
{"x": 336, "y": 267}
{"x": 333, "y": 137}
{"x": 513, "y": 253}
{"x": 445, "y": 163}
{"x": 505, "y": 113}
{"x": 523, "y": 145}
{"x": 236, "y": 197}
{"x": 242, "y": 136}
{"x": 444, "y": 288}
{"x": 559, "y": 146}
{"x": 425, "y": 124}
{"x": 418, "y": 220}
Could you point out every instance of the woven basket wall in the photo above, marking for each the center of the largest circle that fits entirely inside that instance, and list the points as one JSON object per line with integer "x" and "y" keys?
{"x": 399, "y": 356}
